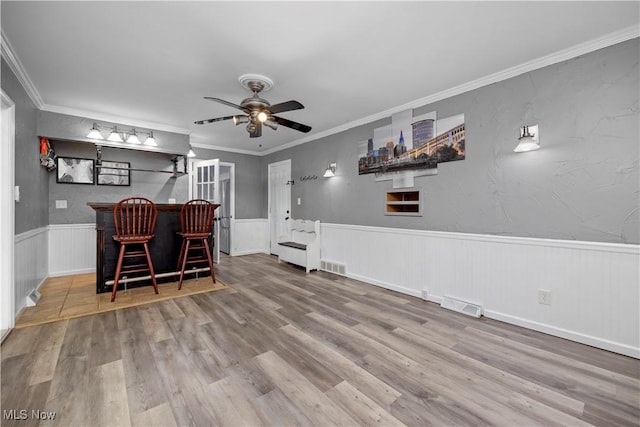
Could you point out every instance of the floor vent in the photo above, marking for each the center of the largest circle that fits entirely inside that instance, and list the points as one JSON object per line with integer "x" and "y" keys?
{"x": 461, "y": 306}
{"x": 333, "y": 267}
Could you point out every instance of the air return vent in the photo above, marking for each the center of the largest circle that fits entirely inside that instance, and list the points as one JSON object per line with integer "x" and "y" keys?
{"x": 333, "y": 267}
{"x": 460, "y": 306}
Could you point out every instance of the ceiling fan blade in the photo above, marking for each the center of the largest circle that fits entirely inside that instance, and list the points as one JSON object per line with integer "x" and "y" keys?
{"x": 218, "y": 119}
{"x": 258, "y": 132}
{"x": 291, "y": 124}
{"x": 230, "y": 104}
{"x": 285, "y": 106}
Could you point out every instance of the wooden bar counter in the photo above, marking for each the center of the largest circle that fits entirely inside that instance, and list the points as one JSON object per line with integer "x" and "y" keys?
{"x": 164, "y": 247}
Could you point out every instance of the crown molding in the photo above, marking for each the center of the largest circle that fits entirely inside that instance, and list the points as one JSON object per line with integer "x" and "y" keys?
{"x": 16, "y": 66}
{"x": 126, "y": 121}
{"x": 554, "y": 58}
{"x": 611, "y": 39}
{"x": 226, "y": 149}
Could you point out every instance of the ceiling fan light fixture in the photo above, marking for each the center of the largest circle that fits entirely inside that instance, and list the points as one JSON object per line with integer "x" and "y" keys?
{"x": 238, "y": 120}
{"x": 262, "y": 116}
{"x": 270, "y": 123}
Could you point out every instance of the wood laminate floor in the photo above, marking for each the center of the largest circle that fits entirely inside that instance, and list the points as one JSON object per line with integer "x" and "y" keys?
{"x": 75, "y": 296}
{"x": 280, "y": 347}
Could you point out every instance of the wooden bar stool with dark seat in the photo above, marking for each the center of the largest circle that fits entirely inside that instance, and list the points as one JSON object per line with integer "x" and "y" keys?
{"x": 196, "y": 222}
{"x": 135, "y": 221}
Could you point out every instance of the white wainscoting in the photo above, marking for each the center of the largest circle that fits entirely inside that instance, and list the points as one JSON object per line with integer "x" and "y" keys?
{"x": 251, "y": 236}
{"x": 72, "y": 249}
{"x": 31, "y": 263}
{"x": 595, "y": 287}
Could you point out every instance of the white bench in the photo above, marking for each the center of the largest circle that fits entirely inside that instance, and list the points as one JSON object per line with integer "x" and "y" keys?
{"x": 303, "y": 246}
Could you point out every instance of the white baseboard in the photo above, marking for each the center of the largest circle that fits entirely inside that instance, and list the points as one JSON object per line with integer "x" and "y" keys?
{"x": 386, "y": 285}
{"x": 598, "y": 342}
{"x": 504, "y": 275}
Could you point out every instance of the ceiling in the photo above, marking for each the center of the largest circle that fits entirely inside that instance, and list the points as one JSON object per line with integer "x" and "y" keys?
{"x": 152, "y": 62}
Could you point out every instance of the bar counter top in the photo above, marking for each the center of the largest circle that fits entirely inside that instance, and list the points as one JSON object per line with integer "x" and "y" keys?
{"x": 102, "y": 206}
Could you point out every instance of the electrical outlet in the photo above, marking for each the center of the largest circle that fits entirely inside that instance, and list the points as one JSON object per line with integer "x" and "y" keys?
{"x": 544, "y": 296}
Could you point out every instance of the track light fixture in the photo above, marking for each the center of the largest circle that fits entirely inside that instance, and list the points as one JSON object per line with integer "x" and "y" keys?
{"x": 119, "y": 135}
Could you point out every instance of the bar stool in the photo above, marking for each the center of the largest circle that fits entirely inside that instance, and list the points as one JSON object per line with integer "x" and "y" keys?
{"x": 196, "y": 222}
{"x": 135, "y": 221}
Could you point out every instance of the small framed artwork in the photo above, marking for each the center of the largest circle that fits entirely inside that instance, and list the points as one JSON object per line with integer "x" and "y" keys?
{"x": 114, "y": 173}
{"x": 72, "y": 170}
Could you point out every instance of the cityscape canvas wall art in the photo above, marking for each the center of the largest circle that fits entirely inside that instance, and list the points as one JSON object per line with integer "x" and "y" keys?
{"x": 430, "y": 141}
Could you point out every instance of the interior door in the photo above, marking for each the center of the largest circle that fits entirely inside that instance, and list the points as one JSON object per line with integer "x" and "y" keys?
{"x": 204, "y": 180}
{"x": 279, "y": 203}
{"x": 225, "y": 210}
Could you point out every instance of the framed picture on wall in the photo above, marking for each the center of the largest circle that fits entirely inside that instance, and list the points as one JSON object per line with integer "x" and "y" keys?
{"x": 114, "y": 173}
{"x": 72, "y": 170}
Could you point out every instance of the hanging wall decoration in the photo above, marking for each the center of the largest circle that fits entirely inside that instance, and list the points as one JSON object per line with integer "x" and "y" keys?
{"x": 114, "y": 173}
{"x": 412, "y": 145}
{"x": 72, "y": 170}
{"x": 47, "y": 155}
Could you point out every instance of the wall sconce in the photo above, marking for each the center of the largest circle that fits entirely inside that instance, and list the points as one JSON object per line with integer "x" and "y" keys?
{"x": 529, "y": 139}
{"x": 191, "y": 153}
{"x": 131, "y": 136}
{"x": 331, "y": 170}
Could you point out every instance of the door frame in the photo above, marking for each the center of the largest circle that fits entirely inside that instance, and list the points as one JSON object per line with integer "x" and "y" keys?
{"x": 269, "y": 196}
{"x": 7, "y": 216}
{"x": 232, "y": 202}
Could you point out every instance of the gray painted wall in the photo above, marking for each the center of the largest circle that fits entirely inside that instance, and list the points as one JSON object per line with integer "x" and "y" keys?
{"x": 250, "y": 196}
{"x": 158, "y": 187}
{"x": 31, "y": 212}
{"x": 74, "y": 128}
{"x": 583, "y": 183}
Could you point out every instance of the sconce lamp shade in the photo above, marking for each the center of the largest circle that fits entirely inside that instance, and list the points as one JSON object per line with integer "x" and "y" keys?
{"x": 191, "y": 153}
{"x": 119, "y": 135}
{"x": 115, "y": 136}
{"x": 133, "y": 138}
{"x": 151, "y": 141}
{"x": 331, "y": 170}
{"x": 529, "y": 139}
{"x": 94, "y": 133}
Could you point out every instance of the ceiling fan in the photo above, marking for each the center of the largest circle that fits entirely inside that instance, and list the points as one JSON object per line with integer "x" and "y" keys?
{"x": 258, "y": 111}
